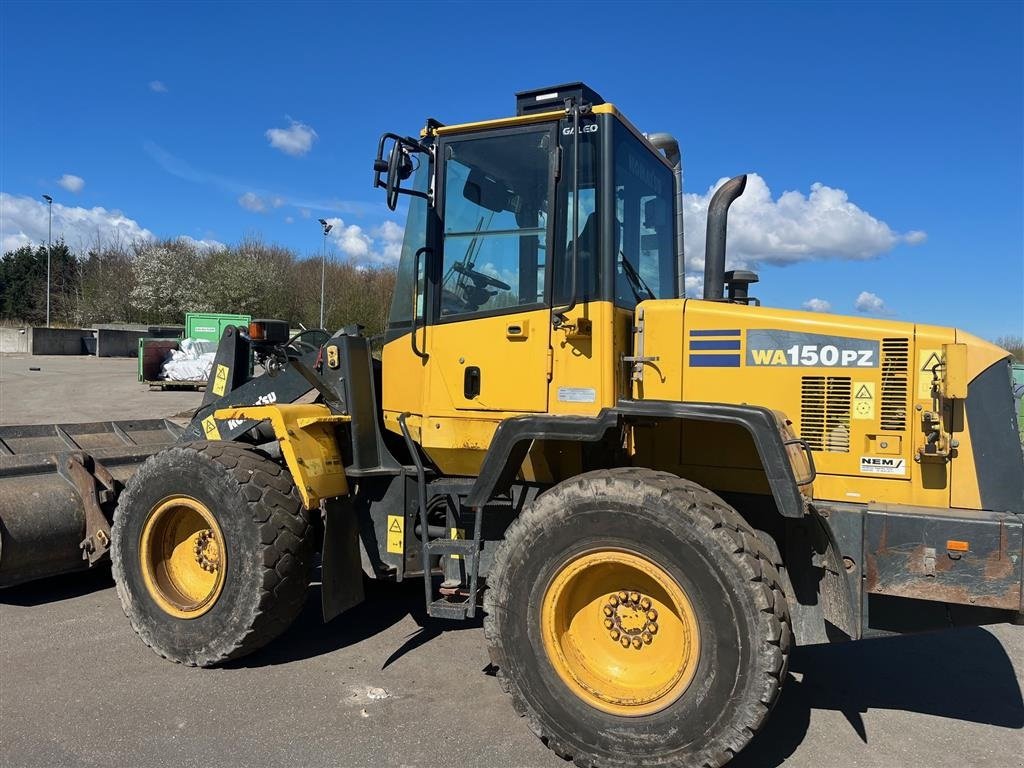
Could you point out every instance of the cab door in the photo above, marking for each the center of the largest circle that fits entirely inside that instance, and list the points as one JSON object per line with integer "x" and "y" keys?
{"x": 489, "y": 335}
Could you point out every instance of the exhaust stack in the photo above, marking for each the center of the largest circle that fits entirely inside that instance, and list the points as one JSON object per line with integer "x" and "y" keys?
{"x": 714, "y": 250}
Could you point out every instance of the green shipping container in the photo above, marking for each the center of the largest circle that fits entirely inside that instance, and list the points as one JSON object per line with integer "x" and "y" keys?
{"x": 209, "y": 326}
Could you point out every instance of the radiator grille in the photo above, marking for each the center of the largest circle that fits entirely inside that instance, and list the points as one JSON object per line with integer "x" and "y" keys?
{"x": 825, "y": 413}
{"x": 895, "y": 384}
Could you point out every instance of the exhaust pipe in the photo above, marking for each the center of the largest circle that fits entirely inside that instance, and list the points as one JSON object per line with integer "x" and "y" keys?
{"x": 668, "y": 144}
{"x": 714, "y": 250}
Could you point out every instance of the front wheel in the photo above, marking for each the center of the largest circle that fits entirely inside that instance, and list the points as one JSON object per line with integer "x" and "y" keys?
{"x": 636, "y": 620}
{"x": 211, "y": 550}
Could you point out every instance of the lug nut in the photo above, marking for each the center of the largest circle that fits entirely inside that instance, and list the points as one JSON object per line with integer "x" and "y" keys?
{"x": 608, "y": 610}
{"x": 622, "y": 597}
{"x": 634, "y": 597}
{"x": 652, "y": 615}
{"x": 613, "y": 601}
{"x": 615, "y": 634}
{"x": 645, "y": 603}
{"x": 637, "y": 643}
{"x": 652, "y": 628}
{"x": 608, "y": 623}
{"x": 625, "y": 641}
{"x": 646, "y": 637}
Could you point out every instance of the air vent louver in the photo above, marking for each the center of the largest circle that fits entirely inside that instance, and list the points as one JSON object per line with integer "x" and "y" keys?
{"x": 825, "y": 413}
{"x": 895, "y": 384}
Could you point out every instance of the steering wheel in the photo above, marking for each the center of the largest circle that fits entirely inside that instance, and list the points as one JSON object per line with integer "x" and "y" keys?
{"x": 480, "y": 278}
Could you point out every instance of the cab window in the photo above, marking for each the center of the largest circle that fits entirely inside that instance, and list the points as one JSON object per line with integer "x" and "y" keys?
{"x": 644, "y": 232}
{"x": 496, "y": 220}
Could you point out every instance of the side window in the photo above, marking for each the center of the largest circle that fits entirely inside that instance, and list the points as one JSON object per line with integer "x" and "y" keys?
{"x": 588, "y": 268}
{"x": 496, "y": 221}
{"x": 644, "y": 229}
{"x": 414, "y": 239}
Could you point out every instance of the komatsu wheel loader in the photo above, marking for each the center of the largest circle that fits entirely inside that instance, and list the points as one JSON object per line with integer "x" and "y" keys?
{"x": 650, "y": 498}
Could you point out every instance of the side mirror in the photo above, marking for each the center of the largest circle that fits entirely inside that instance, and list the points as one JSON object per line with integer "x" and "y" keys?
{"x": 396, "y": 168}
{"x": 953, "y": 385}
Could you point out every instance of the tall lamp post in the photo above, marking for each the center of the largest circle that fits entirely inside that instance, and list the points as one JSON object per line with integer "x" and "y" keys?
{"x": 49, "y": 251}
{"x": 323, "y": 267}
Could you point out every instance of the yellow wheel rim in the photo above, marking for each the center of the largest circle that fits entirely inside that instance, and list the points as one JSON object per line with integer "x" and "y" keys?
{"x": 620, "y": 632}
{"x": 183, "y": 557}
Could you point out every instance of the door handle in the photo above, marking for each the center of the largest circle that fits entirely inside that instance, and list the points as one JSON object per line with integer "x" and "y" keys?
{"x": 471, "y": 382}
{"x": 518, "y": 330}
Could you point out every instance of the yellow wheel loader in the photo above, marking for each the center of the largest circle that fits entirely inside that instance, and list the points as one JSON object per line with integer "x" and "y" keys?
{"x": 651, "y": 499}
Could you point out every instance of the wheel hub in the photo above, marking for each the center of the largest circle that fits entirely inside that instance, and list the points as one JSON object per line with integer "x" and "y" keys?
{"x": 630, "y": 619}
{"x": 207, "y": 551}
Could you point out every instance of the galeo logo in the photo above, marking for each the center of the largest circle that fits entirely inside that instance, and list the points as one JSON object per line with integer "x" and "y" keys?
{"x": 590, "y": 128}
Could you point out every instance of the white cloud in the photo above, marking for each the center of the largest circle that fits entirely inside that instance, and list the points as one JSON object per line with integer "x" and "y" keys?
{"x": 157, "y": 86}
{"x": 380, "y": 247}
{"x": 71, "y": 183}
{"x": 289, "y": 219}
{"x": 23, "y": 221}
{"x": 253, "y": 202}
{"x": 305, "y": 213}
{"x": 297, "y": 139}
{"x": 818, "y": 305}
{"x": 870, "y": 303}
{"x": 205, "y": 244}
{"x": 823, "y": 224}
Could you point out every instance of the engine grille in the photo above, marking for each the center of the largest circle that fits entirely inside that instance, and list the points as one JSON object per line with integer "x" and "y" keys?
{"x": 825, "y": 413}
{"x": 895, "y": 384}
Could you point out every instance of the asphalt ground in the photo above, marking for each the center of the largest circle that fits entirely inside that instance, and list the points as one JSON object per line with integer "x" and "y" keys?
{"x": 77, "y": 688}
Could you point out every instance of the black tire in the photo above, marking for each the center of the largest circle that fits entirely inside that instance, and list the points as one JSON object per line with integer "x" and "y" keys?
{"x": 714, "y": 556}
{"x": 267, "y": 535}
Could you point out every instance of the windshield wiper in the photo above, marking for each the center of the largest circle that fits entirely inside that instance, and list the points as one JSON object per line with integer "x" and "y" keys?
{"x": 634, "y": 278}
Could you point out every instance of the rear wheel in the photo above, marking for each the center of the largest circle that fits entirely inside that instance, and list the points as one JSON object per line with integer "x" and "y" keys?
{"x": 211, "y": 549}
{"x": 636, "y": 620}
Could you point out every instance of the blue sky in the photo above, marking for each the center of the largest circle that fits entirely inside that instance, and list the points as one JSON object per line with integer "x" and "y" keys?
{"x": 913, "y": 112}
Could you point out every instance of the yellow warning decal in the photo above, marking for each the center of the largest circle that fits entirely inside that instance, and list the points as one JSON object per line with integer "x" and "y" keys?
{"x": 220, "y": 380}
{"x": 457, "y": 533}
{"x": 396, "y": 534}
{"x": 863, "y": 399}
{"x": 210, "y": 428}
{"x": 927, "y": 359}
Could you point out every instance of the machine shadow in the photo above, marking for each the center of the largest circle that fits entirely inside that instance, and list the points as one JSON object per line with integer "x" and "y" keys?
{"x": 386, "y": 604}
{"x": 57, "y": 588}
{"x": 961, "y": 674}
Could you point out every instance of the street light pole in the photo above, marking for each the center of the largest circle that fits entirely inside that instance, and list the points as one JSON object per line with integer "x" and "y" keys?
{"x": 49, "y": 251}
{"x": 323, "y": 267}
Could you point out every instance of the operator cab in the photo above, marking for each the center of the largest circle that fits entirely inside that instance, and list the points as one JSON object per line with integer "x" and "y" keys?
{"x": 493, "y": 215}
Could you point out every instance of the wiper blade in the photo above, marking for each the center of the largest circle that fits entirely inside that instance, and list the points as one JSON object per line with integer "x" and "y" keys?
{"x": 635, "y": 280}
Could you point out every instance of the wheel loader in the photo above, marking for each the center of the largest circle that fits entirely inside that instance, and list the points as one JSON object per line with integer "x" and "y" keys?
{"x": 650, "y": 499}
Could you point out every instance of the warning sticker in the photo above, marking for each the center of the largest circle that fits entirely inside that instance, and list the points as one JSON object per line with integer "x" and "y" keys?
{"x": 883, "y": 465}
{"x": 220, "y": 380}
{"x": 863, "y": 399}
{"x": 926, "y": 362}
{"x": 457, "y": 533}
{"x": 210, "y": 428}
{"x": 396, "y": 534}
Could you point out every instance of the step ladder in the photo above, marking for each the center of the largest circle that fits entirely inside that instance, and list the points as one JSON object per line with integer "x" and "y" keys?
{"x": 460, "y": 588}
